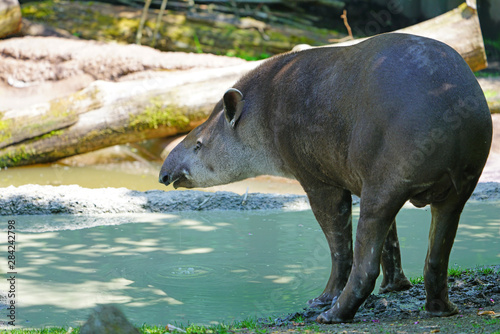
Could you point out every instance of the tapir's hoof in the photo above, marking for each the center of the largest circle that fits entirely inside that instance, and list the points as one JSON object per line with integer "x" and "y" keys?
{"x": 441, "y": 309}
{"x": 329, "y": 318}
{"x": 322, "y": 301}
{"x": 317, "y": 303}
{"x": 401, "y": 285}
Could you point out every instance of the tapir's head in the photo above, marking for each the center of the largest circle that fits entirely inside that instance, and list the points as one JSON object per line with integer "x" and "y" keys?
{"x": 214, "y": 153}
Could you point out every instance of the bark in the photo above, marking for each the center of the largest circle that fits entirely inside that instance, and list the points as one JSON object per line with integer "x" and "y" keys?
{"x": 10, "y": 17}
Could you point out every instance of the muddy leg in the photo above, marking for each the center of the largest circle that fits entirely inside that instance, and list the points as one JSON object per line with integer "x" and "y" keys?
{"x": 394, "y": 278}
{"x": 445, "y": 217}
{"x": 332, "y": 208}
{"x": 376, "y": 217}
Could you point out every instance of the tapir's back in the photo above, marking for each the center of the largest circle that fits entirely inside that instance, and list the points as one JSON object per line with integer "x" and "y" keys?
{"x": 389, "y": 99}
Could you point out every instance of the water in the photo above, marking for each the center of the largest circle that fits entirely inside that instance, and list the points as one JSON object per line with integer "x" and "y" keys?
{"x": 199, "y": 267}
{"x": 131, "y": 175}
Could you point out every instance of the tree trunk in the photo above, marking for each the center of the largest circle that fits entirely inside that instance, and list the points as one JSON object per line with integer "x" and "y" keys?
{"x": 116, "y": 113}
{"x": 10, "y": 17}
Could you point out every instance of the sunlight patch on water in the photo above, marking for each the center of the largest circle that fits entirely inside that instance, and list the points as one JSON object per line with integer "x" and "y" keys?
{"x": 280, "y": 279}
{"x": 53, "y": 223}
{"x": 196, "y": 251}
{"x": 74, "y": 295}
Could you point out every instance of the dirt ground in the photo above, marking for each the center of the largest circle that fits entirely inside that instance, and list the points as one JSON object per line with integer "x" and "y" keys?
{"x": 476, "y": 293}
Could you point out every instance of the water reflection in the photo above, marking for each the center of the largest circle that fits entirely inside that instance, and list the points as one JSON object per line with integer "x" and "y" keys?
{"x": 201, "y": 266}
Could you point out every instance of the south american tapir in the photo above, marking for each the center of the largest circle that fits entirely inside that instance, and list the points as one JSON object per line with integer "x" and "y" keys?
{"x": 392, "y": 119}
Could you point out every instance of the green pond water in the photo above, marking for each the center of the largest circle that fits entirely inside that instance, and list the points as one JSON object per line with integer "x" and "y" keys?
{"x": 131, "y": 175}
{"x": 199, "y": 267}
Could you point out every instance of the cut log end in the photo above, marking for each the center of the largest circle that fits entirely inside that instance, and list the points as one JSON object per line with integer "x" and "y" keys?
{"x": 10, "y": 17}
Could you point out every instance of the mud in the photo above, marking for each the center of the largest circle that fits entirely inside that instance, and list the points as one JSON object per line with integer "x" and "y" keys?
{"x": 44, "y": 200}
{"x": 476, "y": 293}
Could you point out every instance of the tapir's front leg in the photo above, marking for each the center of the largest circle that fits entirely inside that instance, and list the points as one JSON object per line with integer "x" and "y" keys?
{"x": 332, "y": 208}
{"x": 377, "y": 213}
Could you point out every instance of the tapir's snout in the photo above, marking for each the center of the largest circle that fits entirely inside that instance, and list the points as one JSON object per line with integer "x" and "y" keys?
{"x": 178, "y": 177}
{"x": 174, "y": 170}
{"x": 165, "y": 178}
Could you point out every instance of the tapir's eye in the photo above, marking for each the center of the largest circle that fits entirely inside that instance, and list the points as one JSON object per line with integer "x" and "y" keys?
{"x": 198, "y": 146}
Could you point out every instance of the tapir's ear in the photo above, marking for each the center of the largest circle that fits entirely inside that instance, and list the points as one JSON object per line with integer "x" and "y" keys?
{"x": 233, "y": 105}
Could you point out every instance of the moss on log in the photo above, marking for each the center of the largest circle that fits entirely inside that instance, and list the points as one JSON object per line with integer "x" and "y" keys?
{"x": 18, "y": 125}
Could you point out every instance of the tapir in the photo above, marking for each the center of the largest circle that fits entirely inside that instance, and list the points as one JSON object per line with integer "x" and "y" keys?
{"x": 392, "y": 119}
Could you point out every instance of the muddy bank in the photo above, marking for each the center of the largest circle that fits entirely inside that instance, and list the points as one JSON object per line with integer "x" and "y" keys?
{"x": 73, "y": 199}
{"x": 476, "y": 292}
{"x": 44, "y": 200}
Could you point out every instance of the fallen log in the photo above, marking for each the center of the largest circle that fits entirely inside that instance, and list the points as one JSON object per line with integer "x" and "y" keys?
{"x": 117, "y": 113}
{"x": 10, "y": 17}
{"x": 459, "y": 28}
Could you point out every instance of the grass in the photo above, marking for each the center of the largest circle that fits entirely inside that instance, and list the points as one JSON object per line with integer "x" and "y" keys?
{"x": 246, "y": 55}
{"x": 486, "y": 74}
{"x": 221, "y": 328}
{"x": 249, "y": 324}
{"x": 492, "y": 321}
{"x": 416, "y": 280}
{"x": 456, "y": 271}
{"x": 41, "y": 331}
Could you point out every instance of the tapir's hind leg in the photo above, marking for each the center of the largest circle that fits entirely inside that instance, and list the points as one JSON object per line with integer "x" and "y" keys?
{"x": 394, "y": 278}
{"x": 332, "y": 208}
{"x": 445, "y": 217}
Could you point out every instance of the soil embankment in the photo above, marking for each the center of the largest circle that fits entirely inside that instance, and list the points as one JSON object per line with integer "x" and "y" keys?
{"x": 44, "y": 200}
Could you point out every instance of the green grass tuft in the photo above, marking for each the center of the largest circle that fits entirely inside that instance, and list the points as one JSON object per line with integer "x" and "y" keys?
{"x": 416, "y": 280}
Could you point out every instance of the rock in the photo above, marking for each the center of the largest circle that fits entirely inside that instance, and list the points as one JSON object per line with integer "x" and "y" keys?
{"x": 108, "y": 319}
